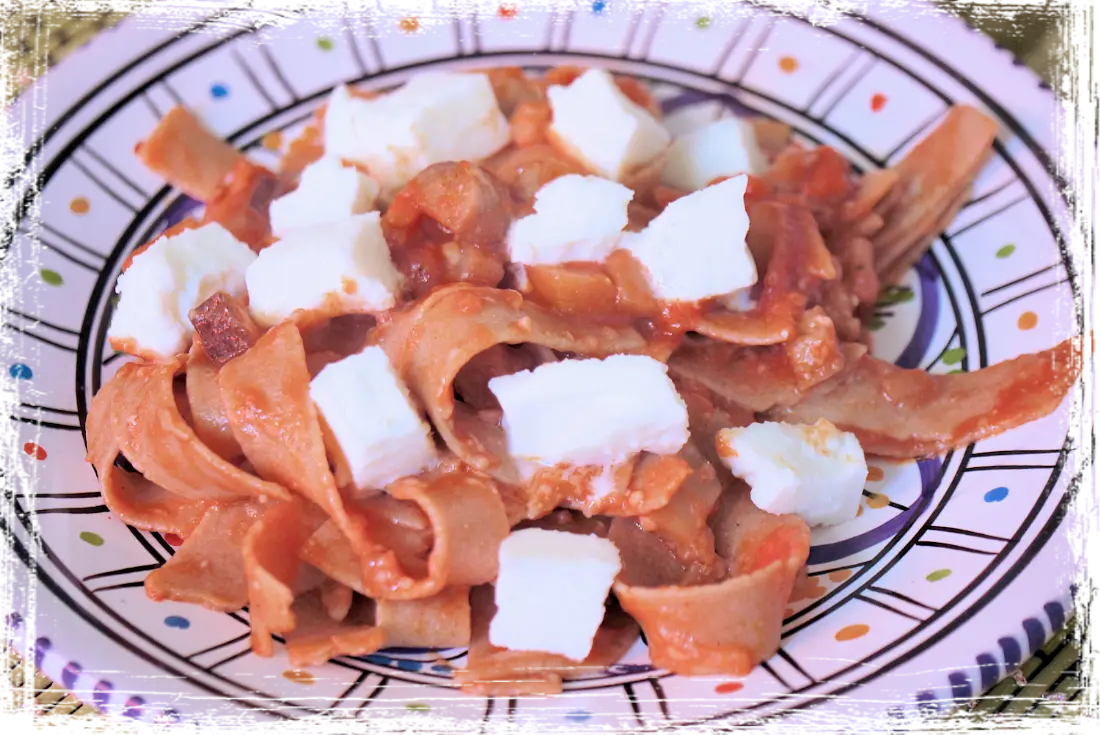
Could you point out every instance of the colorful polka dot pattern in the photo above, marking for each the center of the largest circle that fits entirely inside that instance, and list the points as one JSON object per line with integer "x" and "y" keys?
{"x": 409, "y": 24}
{"x": 788, "y": 64}
{"x": 876, "y": 501}
{"x": 599, "y": 6}
{"x": 79, "y": 205}
{"x": 1028, "y": 320}
{"x": 875, "y": 474}
{"x": 996, "y": 495}
{"x": 1005, "y": 251}
{"x": 299, "y": 677}
{"x": 729, "y": 687}
{"x": 878, "y": 102}
{"x": 219, "y": 91}
{"x": 177, "y": 621}
{"x": 939, "y": 574}
{"x": 273, "y": 141}
{"x": 578, "y": 715}
{"x": 703, "y": 22}
{"x": 954, "y": 356}
{"x": 92, "y": 539}
{"x": 51, "y": 277}
{"x": 418, "y": 707}
{"x": 507, "y": 11}
{"x": 840, "y": 575}
{"x": 325, "y": 43}
{"x": 33, "y": 450}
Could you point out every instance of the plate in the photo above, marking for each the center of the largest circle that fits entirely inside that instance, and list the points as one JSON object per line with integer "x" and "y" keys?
{"x": 956, "y": 569}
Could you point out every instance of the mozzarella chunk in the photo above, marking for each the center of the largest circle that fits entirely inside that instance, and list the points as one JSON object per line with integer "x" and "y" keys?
{"x": 436, "y": 117}
{"x": 371, "y": 426}
{"x": 338, "y": 266}
{"x": 722, "y": 148}
{"x": 327, "y": 191}
{"x": 815, "y": 471}
{"x": 591, "y": 412}
{"x": 174, "y": 275}
{"x": 577, "y": 218}
{"x": 695, "y": 249}
{"x": 550, "y": 591}
{"x": 599, "y": 125}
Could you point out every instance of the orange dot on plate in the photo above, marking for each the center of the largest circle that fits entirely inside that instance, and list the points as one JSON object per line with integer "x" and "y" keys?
{"x": 851, "y": 632}
{"x": 409, "y": 24}
{"x": 874, "y": 474}
{"x": 298, "y": 677}
{"x": 878, "y": 500}
{"x": 273, "y": 141}
{"x": 1027, "y": 320}
{"x": 79, "y": 205}
{"x": 840, "y": 575}
{"x": 35, "y": 451}
{"x": 729, "y": 687}
{"x": 507, "y": 10}
{"x": 788, "y": 64}
{"x": 878, "y": 101}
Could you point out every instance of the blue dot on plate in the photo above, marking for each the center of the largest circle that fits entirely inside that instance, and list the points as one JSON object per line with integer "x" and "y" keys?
{"x": 175, "y": 621}
{"x": 19, "y": 371}
{"x": 408, "y": 665}
{"x": 578, "y": 715}
{"x": 441, "y": 669}
{"x": 599, "y": 6}
{"x": 218, "y": 91}
{"x": 996, "y": 495}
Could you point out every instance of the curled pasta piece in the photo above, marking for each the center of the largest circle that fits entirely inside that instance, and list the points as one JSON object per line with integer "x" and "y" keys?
{"x": 140, "y": 407}
{"x": 208, "y": 416}
{"x": 765, "y": 553}
{"x": 146, "y": 505}
{"x": 467, "y": 523}
{"x": 431, "y": 342}
{"x": 500, "y": 672}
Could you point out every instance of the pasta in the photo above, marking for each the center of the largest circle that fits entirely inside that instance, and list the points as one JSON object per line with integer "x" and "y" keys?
{"x": 228, "y": 446}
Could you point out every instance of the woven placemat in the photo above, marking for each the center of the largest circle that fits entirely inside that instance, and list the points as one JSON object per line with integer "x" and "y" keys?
{"x": 1056, "y": 691}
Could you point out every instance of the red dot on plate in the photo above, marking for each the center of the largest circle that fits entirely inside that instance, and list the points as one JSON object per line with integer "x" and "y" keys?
{"x": 34, "y": 450}
{"x": 878, "y": 101}
{"x": 729, "y": 687}
{"x": 507, "y": 10}
{"x": 173, "y": 539}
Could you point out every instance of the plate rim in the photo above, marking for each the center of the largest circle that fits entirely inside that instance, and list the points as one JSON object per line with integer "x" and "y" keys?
{"x": 64, "y": 74}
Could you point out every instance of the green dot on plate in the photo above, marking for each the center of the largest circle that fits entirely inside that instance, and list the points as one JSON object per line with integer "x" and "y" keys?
{"x": 954, "y": 356}
{"x": 939, "y": 574}
{"x": 702, "y": 22}
{"x": 418, "y": 707}
{"x": 325, "y": 43}
{"x": 1006, "y": 250}
{"x": 91, "y": 538}
{"x": 875, "y": 324}
{"x": 51, "y": 277}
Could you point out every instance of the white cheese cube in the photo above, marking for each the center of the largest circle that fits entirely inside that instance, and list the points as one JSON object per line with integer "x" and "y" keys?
{"x": 436, "y": 117}
{"x": 327, "y": 191}
{"x": 343, "y": 267}
{"x": 577, "y": 218}
{"x": 591, "y": 412}
{"x": 722, "y": 148}
{"x": 600, "y": 126}
{"x": 174, "y": 275}
{"x": 695, "y": 249}
{"x": 550, "y": 591}
{"x": 815, "y": 471}
{"x": 371, "y": 426}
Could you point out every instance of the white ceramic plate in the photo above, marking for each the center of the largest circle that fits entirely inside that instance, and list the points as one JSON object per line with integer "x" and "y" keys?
{"x": 949, "y": 578}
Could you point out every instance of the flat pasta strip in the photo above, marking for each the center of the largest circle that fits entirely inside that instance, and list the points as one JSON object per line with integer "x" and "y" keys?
{"x": 140, "y": 407}
{"x": 317, "y": 637}
{"x": 909, "y": 413}
{"x": 439, "y": 621}
{"x": 146, "y": 505}
{"x": 765, "y": 553}
{"x": 272, "y": 551}
{"x": 184, "y": 152}
{"x": 209, "y": 569}
{"x": 500, "y": 672}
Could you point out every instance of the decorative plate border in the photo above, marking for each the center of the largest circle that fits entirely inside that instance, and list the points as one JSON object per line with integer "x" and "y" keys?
{"x": 1029, "y": 632}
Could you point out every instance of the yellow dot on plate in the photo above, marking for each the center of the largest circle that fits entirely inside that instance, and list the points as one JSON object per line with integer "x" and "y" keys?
{"x": 79, "y": 205}
{"x": 851, "y": 632}
{"x": 273, "y": 141}
{"x": 860, "y": 511}
{"x": 875, "y": 474}
{"x": 878, "y": 500}
{"x": 840, "y": 575}
{"x": 788, "y": 64}
{"x": 298, "y": 677}
{"x": 1027, "y": 320}
{"x": 409, "y": 24}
